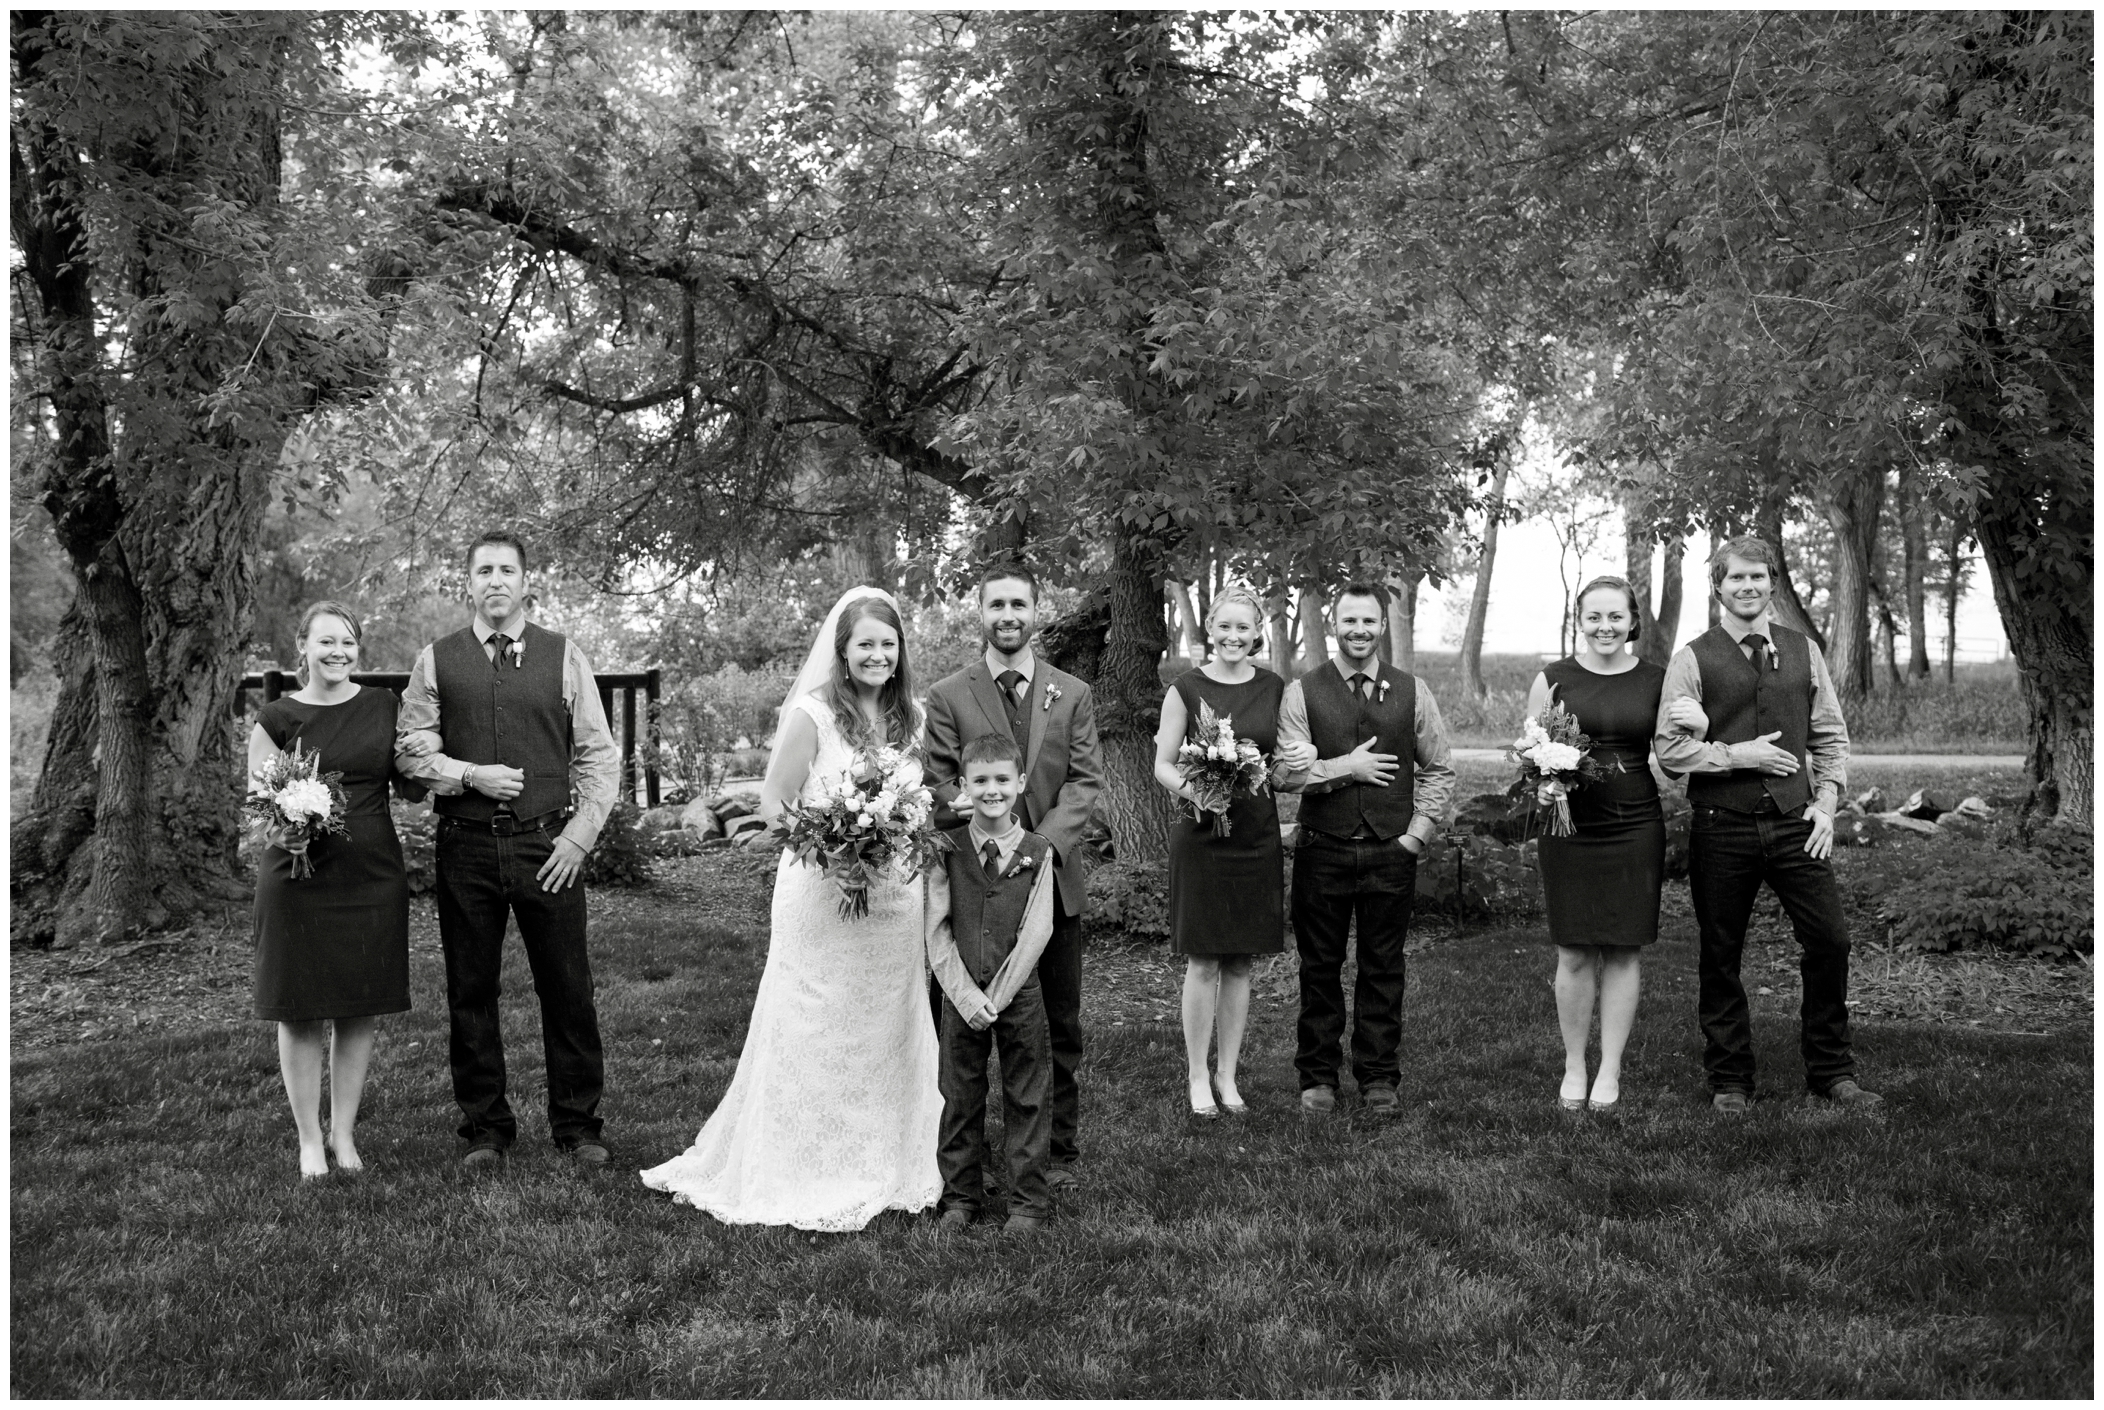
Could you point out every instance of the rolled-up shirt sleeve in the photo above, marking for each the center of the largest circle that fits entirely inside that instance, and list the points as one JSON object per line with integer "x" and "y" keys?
{"x": 1827, "y": 741}
{"x": 1326, "y": 774}
{"x": 595, "y": 762}
{"x": 1678, "y": 751}
{"x": 1432, "y": 790}
{"x": 419, "y": 716}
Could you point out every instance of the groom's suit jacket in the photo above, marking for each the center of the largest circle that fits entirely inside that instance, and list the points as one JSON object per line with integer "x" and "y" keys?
{"x": 1062, "y": 759}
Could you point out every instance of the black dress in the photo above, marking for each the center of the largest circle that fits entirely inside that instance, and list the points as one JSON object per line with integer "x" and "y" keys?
{"x": 1602, "y": 882}
{"x": 336, "y": 944}
{"x": 1227, "y": 895}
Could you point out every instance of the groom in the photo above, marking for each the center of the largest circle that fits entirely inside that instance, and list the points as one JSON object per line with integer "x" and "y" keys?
{"x": 1050, "y": 717}
{"x": 1374, "y": 749}
{"x": 515, "y": 715}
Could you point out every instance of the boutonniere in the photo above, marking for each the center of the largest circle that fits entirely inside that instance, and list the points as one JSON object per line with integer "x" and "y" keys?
{"x": 1380, "y": 693}
{"x": 1051, "y": 694}
{"x": 1022, "y": 864}
{"x": 518, "y": 653}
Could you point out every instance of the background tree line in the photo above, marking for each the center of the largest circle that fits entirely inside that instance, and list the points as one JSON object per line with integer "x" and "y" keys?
{"x": 1149, "y": 299}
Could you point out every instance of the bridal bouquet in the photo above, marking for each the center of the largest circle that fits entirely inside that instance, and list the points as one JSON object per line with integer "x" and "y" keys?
{"x": 1216, "y": 766}
{"x": 1553, "y": 759}
{"x": 877, "y": 815}
{"x": 298, "y": 797}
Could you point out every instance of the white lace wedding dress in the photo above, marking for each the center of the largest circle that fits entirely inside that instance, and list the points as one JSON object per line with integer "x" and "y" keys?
{"x": 832, "y": 1116}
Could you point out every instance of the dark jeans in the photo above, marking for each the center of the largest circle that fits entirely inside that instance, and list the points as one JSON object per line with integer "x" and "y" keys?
{"x": 1335, "y": 880}
{"x": 1059, "y": 976}
{"x": 1729, "y": 856}
{"x": 480, "y": 877}
{"x": 1026, "y": 1091}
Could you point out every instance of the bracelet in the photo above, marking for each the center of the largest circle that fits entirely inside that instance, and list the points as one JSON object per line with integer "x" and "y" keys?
{"x": 467, "y": 779}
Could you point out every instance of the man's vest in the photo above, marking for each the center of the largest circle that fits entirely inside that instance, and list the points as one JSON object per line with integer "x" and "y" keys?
{"x": 986, "y": 917}
{"x": 504, "y": 714}
{"x": 1339, "y": 721}
{"x": 1743, "y": 704}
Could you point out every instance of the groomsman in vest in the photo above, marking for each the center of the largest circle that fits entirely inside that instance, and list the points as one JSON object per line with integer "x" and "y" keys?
{"x": 1050, "y": 716}
{"x": 1763, "y": 786}
{"x": 510, "y": 728}
{"x": 1377, "y": 780}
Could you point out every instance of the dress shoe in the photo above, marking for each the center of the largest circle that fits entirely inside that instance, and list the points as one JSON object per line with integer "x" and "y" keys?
{"x": 1847, "y": 1093}
{"x": 1023, "y": 1224}
{"x": 956, "y": 1217}
{"x": 1062, "y": 1177}
{"x": 1728, "y": 1103}
{"x": 483, "y": 1157}
{"x": 1318, "y": 1101}
{"x": 1571, "y": 1103}
{"x": 1609, "y": 1106}
{"x": 1231, "y": 1108}
{"x": 1381, "y": 1101}
{"x": 588, "y": 1152}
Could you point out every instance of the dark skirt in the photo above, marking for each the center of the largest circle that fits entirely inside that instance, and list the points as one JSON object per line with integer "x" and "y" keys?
{"x": 1227, "y": 895}
{"x": 334, "y": 944}
{"x": 1602, "y": 883}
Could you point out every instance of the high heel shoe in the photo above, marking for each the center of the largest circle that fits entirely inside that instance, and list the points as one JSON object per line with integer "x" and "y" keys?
{"x": 1231, "y": 1108}
{"x": 1571, "y": 1103}
{"x": 1210, "y": 1111}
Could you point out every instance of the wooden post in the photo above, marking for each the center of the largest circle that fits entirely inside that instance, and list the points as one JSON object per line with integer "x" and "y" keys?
{"x": 628, "y": 744}
{"x": 274, "y": 684}
{"x": 652, "y": 680}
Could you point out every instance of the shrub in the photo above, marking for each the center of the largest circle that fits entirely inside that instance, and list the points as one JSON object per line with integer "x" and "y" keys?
{"x": 1997, "y": 892}
{"x": 418, "y": 829}
{"x": 708, "y": 725}
{"x": 1473, "y": 877}
{"x": 623, "y": 854}
{"x": 1129, "y": 897}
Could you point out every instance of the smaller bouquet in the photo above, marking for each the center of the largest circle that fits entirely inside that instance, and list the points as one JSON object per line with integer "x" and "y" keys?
{"x": 1217, "y": 766}
{"x": 298, "y": 797}
{"x": 878, "y": 815}
{"x": 1551, "y": 755}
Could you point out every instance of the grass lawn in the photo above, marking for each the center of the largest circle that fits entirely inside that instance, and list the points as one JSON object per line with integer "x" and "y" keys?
{"x": 1483, "y": 1244}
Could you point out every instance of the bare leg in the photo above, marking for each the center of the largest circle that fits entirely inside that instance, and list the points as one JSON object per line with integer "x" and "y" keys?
{"x": 1232, "y": 1023}
{"x": 350, "y": 1053}
{"x": 301, "y": 1057}
{"x": 1577, "y": 982}
{"x": 1201, "y": 1001}
{"x": 1620, "y": 979}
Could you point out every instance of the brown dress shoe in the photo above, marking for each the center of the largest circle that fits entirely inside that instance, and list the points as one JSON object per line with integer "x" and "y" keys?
{"x": 1847, "y": 1093}
{"x": 1381, "y": 1101}
{"x": 1319, "y": 1101}
{"x": 956, "y": 1217}
{"x": 590, "y": 1152}
{"x": 1061, "y": 1177}
{"x": 1729, "y": 1103}
{"x": 1023, "y": 1224}
{"x": 482, "y": 1158}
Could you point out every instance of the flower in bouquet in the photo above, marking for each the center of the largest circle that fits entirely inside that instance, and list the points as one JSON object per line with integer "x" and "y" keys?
{"x": 1553, "y": 757}
{"x": 1218, "y": 766}
{"x": 878, "y": 816}
{"x": 296, "y": 797}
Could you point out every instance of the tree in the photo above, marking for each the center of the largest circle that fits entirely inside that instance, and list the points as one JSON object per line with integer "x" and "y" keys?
{"x": 185, "y": 304}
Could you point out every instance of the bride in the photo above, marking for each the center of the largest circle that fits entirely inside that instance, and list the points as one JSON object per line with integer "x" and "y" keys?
{"x": 832, "y": 1116}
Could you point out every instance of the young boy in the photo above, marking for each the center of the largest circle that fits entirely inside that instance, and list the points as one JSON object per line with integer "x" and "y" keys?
{"x": 989, "y": 916}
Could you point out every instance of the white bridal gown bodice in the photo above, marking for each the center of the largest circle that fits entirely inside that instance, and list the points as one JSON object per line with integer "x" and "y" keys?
{"x": 832, "y": 1116}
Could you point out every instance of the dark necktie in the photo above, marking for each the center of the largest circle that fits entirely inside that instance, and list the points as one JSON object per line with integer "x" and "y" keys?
{"x": 990, "y": 860}
{"x": 498, "y": 642}
{"x": 1012, "y": 692}
{"x": 1759, "y": 644}
{"x": 1362, "y": 686}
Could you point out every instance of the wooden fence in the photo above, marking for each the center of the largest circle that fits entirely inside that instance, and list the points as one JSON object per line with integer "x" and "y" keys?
{"x": 624, "y": 683}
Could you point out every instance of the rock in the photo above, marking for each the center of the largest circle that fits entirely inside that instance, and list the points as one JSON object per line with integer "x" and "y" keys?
{"x": 714, "y": 844}
{"x": 1871, "y": 800}
{"x": 699, "y": 817}
{"x": 1855, "y": 830}
{"x": 734, "y": 803}
{"x": 1974, "y": 807}
{"x": 754, "y": 836}
{"x": 663, "y": 818}
{"x": 1962, "y": 824}
{"x": 1907, "y": 824}
{"x": 740, "y": 827}
{"x": 1925, "y": 805}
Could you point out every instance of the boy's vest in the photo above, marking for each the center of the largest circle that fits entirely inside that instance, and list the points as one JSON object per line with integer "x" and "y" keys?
{"x": 1339, "y": 720}
{"x": 986, "y": 917}
{"x": 504, "y": 714}
{"x": 1743, "y": 705}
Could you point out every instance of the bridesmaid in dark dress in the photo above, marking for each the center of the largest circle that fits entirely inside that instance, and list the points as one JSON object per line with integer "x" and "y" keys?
{"x": 1602, "y": 883}
{"x": 1226, "y": 894}
{"x": 332, "y": 949}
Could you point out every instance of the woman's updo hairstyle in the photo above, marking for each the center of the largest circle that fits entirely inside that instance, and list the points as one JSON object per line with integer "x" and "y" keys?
{"x": 1237, "y": 593}
{"x": 894, "y": 701}
{"x": 323, "y": 608}
{"x": 1621, "y": 585}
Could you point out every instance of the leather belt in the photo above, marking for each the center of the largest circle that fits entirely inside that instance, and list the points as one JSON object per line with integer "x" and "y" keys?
{"x": 505, "y": 825}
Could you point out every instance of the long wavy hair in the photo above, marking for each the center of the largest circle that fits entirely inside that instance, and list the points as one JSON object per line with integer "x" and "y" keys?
{"x": 894, "y": 701}
{"x": 323, "y": 608}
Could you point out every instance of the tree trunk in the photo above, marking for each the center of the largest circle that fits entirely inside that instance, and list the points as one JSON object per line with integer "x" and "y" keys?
{"x": 1278, "y": 626}
{"x": 1951, "y": 588}
{"x": 1852, "y": 507}
{"x": 1786, "y": 606}
{"x": 1193, "y": 626}
{"x": 1479, "y": 602}
{"x": 2051, "y": 633}
{"x": 1314, "y": 632}
{"x": 1639, "y": 541}
{"x": 1402, "y": 620}
{"x": 1656, "y": 644}
{"x": 62, "y": 808}
{"x": 1138, "y": 811}
{"x": 1915, "y": 565}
